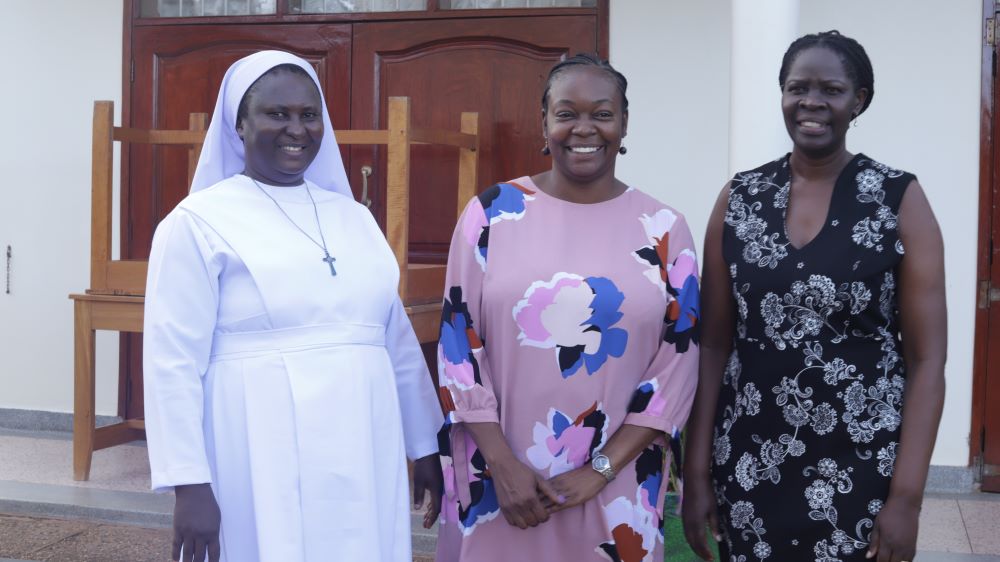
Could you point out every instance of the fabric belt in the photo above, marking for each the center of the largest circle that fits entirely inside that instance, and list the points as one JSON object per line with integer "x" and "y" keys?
{"x": 289, "y": 339}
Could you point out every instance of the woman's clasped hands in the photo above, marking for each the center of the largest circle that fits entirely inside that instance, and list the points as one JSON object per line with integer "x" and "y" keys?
{"x": 522, "y": 493}
{"x": 527, "y": 499}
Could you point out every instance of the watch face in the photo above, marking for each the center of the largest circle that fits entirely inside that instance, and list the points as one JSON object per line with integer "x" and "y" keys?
{"x": 601, "y": 462}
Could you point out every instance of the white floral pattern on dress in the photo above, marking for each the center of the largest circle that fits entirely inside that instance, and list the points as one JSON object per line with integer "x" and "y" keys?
{"x": 816, "y": 362}
{"x": 806, "y": 309}
{"x": 868, "y": 232}
{"x": 820, "y": 495}
{"x": 759, "y": 247}
{"x": 747, "y": 403}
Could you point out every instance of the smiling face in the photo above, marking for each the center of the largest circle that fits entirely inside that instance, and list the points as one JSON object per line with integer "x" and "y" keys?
{"x": 818, "y": 100}
{"x": 584, "y": 124}
{"x": 283, "y": 128}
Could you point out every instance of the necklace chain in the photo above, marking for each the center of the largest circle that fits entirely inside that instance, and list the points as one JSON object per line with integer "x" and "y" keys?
{"x": 326, "y": 253}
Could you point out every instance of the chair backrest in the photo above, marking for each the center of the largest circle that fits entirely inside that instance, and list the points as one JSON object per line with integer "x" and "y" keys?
{"x": 417, "y": 282}
{"x": 125, "y": 277}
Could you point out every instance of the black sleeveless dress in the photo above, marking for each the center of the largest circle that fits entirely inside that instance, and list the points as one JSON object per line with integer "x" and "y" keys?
{"x": 809, "y": 413}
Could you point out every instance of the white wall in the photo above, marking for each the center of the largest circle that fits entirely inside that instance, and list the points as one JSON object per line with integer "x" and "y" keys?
{"x": 756, "y": 125}
{"x": 57, "y": 57}
{"x": 924, "y": 118}
{"x": 675, "y": 54}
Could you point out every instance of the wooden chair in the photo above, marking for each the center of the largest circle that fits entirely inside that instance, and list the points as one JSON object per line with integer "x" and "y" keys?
{"x": 420, "y": 285}
{"x": 115, "y": 298}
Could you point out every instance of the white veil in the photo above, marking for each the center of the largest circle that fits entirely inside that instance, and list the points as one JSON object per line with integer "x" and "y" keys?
{"x": 222, "y": 154}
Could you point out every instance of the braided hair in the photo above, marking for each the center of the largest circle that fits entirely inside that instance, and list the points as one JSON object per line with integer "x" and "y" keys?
{"x": 585, "y": 60}
{"x": 857, "y": 65}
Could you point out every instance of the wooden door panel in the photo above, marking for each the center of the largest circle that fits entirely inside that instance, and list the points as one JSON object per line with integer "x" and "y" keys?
{"x": 989, "y": 441}
{"x": 178, "y": 70}
{"x": 496, "y": 66}
{"x": 991, "y": 413}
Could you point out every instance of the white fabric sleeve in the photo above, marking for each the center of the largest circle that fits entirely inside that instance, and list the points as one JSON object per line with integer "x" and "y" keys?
{"x": 418, "y": 402}
{"x": 182, "y": 296}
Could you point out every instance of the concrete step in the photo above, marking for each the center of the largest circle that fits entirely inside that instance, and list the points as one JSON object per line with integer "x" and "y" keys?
{"x": 35, "y": 539}
{"x": 144, "y": 509}
{"x": 35, "y": 482}
{"x": 424, "y": 540}
{"x": 138, "y": 509}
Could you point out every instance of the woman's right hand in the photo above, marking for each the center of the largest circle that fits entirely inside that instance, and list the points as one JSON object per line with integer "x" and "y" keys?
{"x": 519, "y": 489}
{"x": 196, "y": 523}
{"x": 698, "y": 511}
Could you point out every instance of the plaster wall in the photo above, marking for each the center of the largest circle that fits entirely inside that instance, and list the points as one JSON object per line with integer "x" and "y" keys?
{"x": 75, "y": 58}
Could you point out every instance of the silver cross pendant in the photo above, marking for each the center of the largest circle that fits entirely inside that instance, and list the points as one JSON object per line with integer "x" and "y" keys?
{"x": 329, "y": 261}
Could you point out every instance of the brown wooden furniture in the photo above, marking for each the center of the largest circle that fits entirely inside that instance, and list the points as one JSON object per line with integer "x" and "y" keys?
{"x": 115, "y": 298}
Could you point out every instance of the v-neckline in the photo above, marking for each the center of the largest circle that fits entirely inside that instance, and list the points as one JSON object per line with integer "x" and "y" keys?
{"x": 837, "y": 187}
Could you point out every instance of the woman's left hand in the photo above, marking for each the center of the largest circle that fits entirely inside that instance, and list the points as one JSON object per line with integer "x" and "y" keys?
{"x": 427, "y": 478}
{"x": 576, "y": 486}
{"x": 894, "y": 536}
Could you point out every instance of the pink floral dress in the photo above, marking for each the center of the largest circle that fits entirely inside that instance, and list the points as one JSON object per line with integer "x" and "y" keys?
{"x": 561, "y": 322}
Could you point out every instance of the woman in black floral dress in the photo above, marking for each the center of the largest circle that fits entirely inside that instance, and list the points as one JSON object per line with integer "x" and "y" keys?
{"x": 823, "y": 320}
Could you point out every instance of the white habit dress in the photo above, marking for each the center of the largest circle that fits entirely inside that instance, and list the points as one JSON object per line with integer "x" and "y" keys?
{"x": 294, "y": 392}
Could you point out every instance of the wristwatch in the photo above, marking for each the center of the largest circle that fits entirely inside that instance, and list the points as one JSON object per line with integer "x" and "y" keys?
{"x": 602, "y": 464}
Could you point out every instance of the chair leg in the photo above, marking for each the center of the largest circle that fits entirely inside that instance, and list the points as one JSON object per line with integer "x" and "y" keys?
{"x": 83, "y": 390}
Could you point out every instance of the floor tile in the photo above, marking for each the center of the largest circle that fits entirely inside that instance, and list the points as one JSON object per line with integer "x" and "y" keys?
{"x": 928, "y": 556}
{"x": 50, "y": 461}
{"x": 942, "y": 528}
{"x": 982, "y": 521}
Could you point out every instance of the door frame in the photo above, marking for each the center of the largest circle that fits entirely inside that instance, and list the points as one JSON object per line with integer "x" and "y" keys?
{"x": 989, "y": 184}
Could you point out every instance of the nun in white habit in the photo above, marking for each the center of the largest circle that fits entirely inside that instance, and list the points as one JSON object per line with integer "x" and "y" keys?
{"x": 283, "y": 381}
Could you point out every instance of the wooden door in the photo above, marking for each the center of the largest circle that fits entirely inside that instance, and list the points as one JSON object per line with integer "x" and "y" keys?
{"x": 985, "y": 435}
{"x": 989, "y": 438}
{"x": 496, "y": 66}
{"x": 178, "y": 70}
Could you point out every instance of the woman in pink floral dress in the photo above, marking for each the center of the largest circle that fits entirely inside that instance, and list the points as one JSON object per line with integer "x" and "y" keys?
{"x": 569, "y": 347}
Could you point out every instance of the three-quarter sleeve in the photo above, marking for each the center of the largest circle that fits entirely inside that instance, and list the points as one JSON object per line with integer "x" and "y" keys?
{"x": 418, "y": 402}
{"x": 664, "y": 397}
{"x": 182, "y": 296}
{"x": 466, "y": 389}
{"x": 463, "y": 372}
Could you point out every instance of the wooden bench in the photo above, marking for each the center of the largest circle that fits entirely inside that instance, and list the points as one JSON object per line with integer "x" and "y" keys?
{"x": 115, "y": 298}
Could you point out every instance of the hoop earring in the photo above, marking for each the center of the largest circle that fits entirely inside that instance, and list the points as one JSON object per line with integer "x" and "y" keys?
{"x": 854, "y": 119}
{"x": 545, "y": 149}
{"x": 622, "y": 149}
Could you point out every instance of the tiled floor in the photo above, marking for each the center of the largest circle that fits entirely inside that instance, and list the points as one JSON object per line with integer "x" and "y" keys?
{"x": 46, "y": 458}
{"x": 961, "y": 525}
{"x": 45, "y": 515}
